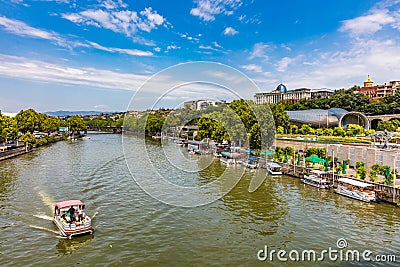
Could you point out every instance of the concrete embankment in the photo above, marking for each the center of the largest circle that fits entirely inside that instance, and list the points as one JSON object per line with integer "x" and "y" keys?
{"x": 386, "y": 193}
{"x": 20, "y": 150}
{"x": 13, "y": 153}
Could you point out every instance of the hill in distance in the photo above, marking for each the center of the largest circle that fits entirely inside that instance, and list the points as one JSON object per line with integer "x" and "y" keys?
{"x": 73, "y": 113}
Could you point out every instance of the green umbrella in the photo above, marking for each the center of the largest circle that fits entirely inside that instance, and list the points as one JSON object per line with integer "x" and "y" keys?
{"x": 315, "y": 159}
{"x": 298, "y": 159}
{"x": 326, "y": 165}
{"x": 387, "y": 173}
{"x": 344, "y": 167}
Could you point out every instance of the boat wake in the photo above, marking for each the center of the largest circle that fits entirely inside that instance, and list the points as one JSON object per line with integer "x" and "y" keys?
{"x": 45, "y": 229}
{"x": 48, "y": 200}
{"x": 44, "y": 217}
{"x": 94, "y": 215}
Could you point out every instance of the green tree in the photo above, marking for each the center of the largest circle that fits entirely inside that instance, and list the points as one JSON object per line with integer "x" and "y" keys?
{"x": 328, "y": 131}
{"x": 293, "y": 129}
{"x": 28, "y": 121}
{"x": 76, "y": 124}
{"x": 28, "y": 138}
{"x": 154, "y": 124}
{"x": 280, "y": 130}
{"x": 354, "y": 130}
{"x": 8, "y": 128}
{"x": 306, "y": 129}
{"x": 280, "y": 115}
{"x": 50, "y": 124}
{"x": 338, "y": 131}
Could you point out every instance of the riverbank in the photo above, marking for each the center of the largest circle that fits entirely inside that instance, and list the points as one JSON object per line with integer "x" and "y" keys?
{"x": 22, "y": 149}
{"x": 389, "y": 194}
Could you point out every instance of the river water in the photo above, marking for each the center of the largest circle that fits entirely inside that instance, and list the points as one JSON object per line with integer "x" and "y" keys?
{"x": 134, "y": 229}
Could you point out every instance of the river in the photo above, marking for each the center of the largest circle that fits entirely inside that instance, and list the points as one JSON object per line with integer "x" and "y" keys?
{"x": 134, "y": 229}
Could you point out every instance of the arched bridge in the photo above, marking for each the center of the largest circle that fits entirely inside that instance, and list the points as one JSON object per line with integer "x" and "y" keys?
{"x": 385, "y": 117}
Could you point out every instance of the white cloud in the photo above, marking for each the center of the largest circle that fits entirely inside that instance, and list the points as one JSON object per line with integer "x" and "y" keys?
{"x": 157, "y": 49}
{"x": 252, "y": 67}
{"x": 217, "y": 45}
{"x": 208, "y": 47}
{"x": 208, "y": 9}
{"x": 173, "y": 47}
{"x": 368, "y": 24}
{"x": 131, "y": 52}
{"x": 110, "y": 4}
{"x": 286, "y": 47}
{"x": 259, "y": 51}
{"x": 123, "y": 21}
{"x": 230, "y": 31}
{"x": 188, "y": 37}
{"x": 283, "y": 64}
{"x": 41, "y": 71}
{"x": 22, "y": 29}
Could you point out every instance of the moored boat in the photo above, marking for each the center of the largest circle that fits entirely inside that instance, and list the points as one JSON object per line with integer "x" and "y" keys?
{"x": 70, "y": 218}
{"x": 356, "y": 189}
{"x": 251, "y": 163}
{"x": 316, "y": 179}
{"x": 274, "y": 168}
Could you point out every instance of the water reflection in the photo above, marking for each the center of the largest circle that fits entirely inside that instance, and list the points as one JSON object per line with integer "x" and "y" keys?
{"x": 69, "y": 246}
{"x": 8, "y": 174}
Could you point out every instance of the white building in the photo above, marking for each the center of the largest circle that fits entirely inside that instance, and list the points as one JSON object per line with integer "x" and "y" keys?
{"x": 282, "y": 94}
{"x": 202, "y": 104}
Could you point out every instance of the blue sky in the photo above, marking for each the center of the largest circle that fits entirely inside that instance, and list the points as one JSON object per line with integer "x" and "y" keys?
{"x": 94, "y": 55}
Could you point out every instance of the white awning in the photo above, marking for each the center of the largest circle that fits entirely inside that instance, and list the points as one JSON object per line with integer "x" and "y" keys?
{"x": 354, "y": 182}
{"x": 318, "y": 172}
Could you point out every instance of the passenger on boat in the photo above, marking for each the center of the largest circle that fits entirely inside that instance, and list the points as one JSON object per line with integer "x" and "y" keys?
{"x": 80, "y": 214}
{"x": 72, "y": 213}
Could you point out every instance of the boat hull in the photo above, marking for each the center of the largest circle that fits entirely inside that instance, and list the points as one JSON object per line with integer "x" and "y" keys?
{"x": 274, "y": 172}
{"x": 353, "y": 195}
{"x": 315, "y": 185}
{"x": 70, "y": 229}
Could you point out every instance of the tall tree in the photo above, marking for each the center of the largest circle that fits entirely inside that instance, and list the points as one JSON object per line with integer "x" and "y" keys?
{"x": 28, "y": 121}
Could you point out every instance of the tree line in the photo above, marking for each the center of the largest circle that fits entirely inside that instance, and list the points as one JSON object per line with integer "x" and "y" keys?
{"x": 350, "y": 101}
{"x": 26, "y": 122}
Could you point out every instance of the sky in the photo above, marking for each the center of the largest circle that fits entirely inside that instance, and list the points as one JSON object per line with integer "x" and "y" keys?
{"x": 100, "y": 55}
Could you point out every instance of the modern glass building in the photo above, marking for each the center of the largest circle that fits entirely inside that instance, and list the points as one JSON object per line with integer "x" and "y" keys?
{"x": 332, "y": 117}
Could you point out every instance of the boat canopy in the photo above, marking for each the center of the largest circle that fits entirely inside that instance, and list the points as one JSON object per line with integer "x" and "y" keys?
{"x": 354, "y": 182}
{"x": 273, "y": 165}
{"x": 69, "y": 203}
{"x": 318, "y": 172}
{"x": 230, "y": 155}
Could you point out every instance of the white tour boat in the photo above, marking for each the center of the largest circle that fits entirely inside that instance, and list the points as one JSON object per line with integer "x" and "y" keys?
{"x": 316, "y": 179}
{"x": 70, "y": 218}
{"x": 274, "y": 168}
{"x": 356, "y": 189}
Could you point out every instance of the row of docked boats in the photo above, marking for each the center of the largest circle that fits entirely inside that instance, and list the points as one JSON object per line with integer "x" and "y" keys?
{"x": 346, "y": 186}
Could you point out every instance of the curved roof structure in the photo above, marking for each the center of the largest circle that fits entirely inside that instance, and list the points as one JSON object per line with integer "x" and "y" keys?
{"x": 281, "y": 88}
{"x": 332, "y": 117}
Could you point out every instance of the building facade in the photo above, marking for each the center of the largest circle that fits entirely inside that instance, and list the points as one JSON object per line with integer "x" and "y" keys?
{"x": 282, "y": 94}
{"x": 202, "y": 104}
{"x": 376, "y": 92}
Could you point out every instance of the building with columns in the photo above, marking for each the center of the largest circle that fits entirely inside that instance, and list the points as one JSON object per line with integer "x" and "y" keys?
{"x": 282, "y": 94}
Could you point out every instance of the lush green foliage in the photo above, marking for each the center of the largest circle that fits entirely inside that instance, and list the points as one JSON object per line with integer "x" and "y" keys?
{"x": 320, "y": 152}
{"x": 361, "y": 172}
{"x": 350, "y": 101}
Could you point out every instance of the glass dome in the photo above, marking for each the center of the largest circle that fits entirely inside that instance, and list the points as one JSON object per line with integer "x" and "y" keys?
{"x": 281, "y": 88}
